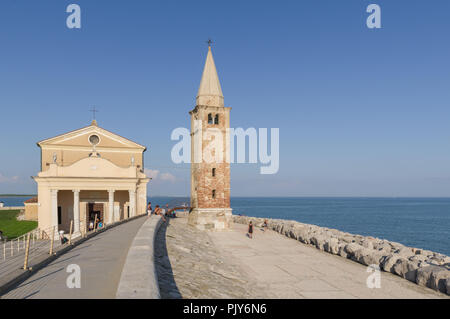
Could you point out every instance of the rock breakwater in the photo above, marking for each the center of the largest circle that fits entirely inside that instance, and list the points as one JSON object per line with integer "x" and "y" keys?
{"x": 423, "y": 267}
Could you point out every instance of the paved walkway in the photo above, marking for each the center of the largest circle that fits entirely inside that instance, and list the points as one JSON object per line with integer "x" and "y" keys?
{"x": 189, "y": 266}
{"x": 101, "y": 260}
{"x": 287, "y": 268}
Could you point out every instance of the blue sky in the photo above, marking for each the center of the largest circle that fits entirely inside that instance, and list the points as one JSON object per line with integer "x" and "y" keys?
{"x": 361, "y": 112}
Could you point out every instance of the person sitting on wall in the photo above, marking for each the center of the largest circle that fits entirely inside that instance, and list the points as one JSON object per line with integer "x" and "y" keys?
{"x": 265, "y": 225}
{"x": 62, "y": 238}
{"x": 167, "y": 210}
{"x": 159, "y": 212}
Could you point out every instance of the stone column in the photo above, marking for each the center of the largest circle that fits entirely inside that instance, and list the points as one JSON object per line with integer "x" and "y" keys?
{"x": 132, "y": 203}
{"x": 111, "y": 206}
{"x": 76, "y": 211}
{"x": 54, "y": 196}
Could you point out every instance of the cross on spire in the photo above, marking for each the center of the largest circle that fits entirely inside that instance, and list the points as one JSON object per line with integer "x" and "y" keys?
{"x": 210, "y": 42}
{"x": 93, "y": 110}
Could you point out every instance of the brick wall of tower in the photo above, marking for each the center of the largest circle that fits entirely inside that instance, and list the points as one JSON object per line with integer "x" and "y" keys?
{"x": 202, "y": 181}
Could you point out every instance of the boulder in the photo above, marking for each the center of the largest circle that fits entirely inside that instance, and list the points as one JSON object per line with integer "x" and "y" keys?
{"x": 331, "y": 245}
{"x": 351, "y": 250}
{"x": 418, "y": 258}
{"x": 341, "y": 250}
{"x": 367, "y": 243}
{"x": 428, "y": 253}
{"x": 405, "y": 252}
{"x": 347, "y": 238}
{"x": 303, "y": 235}
{"x": 447, "y": 284}
{"x": 369, "y": 257}
{"x": 406, "y": 268}
{"x": 389, "y": 261}
{"x": 318, "y": 240}
{"x": 439, "y": 279}
{"x": 433, "y": 277}
{"x": 383, "y": 246}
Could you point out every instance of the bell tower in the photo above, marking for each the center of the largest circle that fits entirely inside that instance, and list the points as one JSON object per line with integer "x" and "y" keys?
{"x": 210, "y": 167}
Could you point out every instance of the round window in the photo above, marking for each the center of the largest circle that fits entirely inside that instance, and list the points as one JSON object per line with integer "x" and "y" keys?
{"x": 94, "y": 139}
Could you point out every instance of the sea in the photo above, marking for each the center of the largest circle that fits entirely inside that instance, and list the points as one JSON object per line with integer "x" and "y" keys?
{"x": 416, "y": 222}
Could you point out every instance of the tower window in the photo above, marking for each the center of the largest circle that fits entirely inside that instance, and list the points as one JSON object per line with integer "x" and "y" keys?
{"x": 210, "y": 119}
{"x": 213, "y": 172}
{"x": 216, "y": 119}
{"x": 213, "y": 193}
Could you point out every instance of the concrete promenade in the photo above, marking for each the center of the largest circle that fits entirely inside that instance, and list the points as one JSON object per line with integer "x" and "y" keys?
{"x": 286, "y": 268}
{"x": 197, "y": 264}
{"x": 101, "y": 260}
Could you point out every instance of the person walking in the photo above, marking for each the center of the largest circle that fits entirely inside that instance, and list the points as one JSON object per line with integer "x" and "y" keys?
{"x": 149, "y": 209}
{"x": 250, "y": 230}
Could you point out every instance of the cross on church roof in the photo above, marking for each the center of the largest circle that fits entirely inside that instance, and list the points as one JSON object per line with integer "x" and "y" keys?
{"x": 209, "y": 42}
{"x": 93, "y": 110}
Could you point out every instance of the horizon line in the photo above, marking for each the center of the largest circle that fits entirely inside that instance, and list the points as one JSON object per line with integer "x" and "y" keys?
{"x": 262, "y": 196}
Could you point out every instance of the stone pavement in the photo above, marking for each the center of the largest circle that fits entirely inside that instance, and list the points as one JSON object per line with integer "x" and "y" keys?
{"x": 195, "y": 264}
{"x": 189, "y": 265}
{"x": 101, "y": 260}
{"x": 287, "y": 268}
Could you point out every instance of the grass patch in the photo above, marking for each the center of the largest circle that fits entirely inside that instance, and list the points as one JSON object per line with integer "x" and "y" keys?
{"x": 13, "y": 228}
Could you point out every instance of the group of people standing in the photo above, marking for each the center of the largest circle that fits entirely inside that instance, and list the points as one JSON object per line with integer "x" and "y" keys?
{"x": 163, "y": 212}
{"x": 95, "y": 224}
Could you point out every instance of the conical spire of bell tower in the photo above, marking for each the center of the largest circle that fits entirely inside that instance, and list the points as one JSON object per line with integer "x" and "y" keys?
{"x": 210, "y": 92}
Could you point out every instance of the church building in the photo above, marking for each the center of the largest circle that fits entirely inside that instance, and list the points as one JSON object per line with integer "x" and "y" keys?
{"x": 210, "y": 179}
{"x": 90, "y": 172}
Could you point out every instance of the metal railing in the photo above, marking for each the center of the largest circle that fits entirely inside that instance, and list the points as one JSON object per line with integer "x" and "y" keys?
{"x": 38, "y": 244}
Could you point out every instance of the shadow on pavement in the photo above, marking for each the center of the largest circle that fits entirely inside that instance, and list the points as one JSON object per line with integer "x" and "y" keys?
{"x": 167, "y": 285}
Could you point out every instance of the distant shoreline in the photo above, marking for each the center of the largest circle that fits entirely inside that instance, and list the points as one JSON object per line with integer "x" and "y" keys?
{"x": 321, "y": 197}
{"x": 16, "y": 195}
{"x": 288, "y": 197}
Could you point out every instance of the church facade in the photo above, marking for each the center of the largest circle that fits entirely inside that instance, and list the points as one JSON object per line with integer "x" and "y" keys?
{"x": 88, "y": 173}
{"x": 210, "y": 144}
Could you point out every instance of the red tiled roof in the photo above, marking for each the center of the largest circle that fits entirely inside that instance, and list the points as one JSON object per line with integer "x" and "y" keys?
{"x": 31, "y": 200}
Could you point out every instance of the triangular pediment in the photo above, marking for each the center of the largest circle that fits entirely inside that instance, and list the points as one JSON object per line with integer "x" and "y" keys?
{"x": 81, "y": 136}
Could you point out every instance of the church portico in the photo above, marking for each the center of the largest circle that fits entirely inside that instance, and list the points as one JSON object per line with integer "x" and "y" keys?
{"x": 77, "y": 205}
{"x": 93, "y": 186}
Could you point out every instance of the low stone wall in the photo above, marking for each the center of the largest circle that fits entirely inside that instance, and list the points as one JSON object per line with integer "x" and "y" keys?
{"x": 138, "y": 279}
{"x": 13, "y": 208}
{"x": 424, "y": 267}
